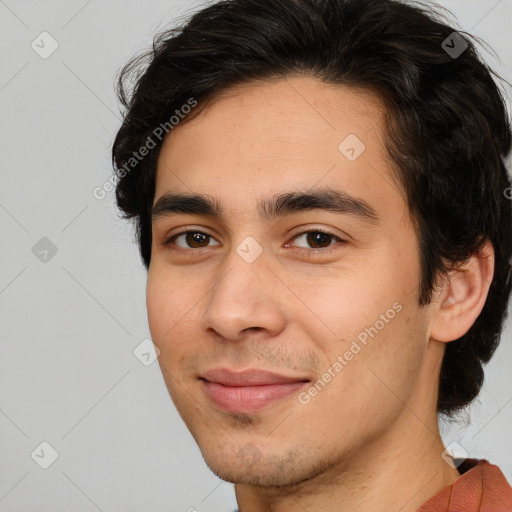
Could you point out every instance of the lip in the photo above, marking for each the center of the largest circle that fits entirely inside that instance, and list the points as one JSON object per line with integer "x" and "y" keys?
{"x": 251, "y": 377}
{"x": 249, "y": 390}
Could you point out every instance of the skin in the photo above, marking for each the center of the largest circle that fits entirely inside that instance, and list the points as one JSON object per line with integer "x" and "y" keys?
{"x": 369, "y": 440}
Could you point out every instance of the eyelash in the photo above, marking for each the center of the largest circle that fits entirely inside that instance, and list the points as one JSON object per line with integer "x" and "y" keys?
{"x": 170, "y": 241}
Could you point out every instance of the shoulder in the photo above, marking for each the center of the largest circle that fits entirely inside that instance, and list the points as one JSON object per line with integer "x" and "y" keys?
{"x": 482, "y": 487}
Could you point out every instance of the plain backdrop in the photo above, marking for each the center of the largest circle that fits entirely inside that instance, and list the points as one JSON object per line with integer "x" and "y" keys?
{"x": 72, "y": 286}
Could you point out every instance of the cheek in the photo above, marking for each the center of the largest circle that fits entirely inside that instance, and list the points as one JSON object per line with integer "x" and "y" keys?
{"x": 371, "y": 382}
{"x": 156, "y": 304}
{"x": 377, "y": 331}
{"x": 166, "y": 321}
{"x": 397, "y": 353}
{"x": 167, "y": 296}
{"x": 347, "y": 307}
{"x": 173, "y": 306}
{"x": 166, "y": 307}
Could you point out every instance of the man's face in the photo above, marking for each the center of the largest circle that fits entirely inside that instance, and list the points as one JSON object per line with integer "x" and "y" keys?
{"x": 250, "y": 292}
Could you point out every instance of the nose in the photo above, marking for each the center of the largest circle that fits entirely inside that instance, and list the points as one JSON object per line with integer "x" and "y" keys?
{"x": 247, "y": 298}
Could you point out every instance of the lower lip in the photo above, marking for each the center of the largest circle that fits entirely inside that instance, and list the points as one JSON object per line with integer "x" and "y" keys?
{"x": 248, "y": 398}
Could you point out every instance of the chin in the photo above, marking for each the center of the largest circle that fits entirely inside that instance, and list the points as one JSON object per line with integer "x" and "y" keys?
{"x": 254, "y": 476}
{"x": 249, "y": 466}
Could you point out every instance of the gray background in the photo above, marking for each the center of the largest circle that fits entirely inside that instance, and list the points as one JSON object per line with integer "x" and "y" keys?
{"x": 70, "y": 324}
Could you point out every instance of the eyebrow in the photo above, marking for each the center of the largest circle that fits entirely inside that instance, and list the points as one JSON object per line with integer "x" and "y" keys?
{"x": 268, "y": 209}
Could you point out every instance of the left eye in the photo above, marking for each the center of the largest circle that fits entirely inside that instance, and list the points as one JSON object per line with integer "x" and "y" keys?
{"x": 318, "y": 237}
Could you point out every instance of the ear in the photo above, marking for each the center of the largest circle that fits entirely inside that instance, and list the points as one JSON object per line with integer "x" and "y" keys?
{"x": 462, "y": 296}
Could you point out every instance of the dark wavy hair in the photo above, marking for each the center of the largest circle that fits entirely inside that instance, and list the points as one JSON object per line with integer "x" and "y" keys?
{"x": 447, "y": 127}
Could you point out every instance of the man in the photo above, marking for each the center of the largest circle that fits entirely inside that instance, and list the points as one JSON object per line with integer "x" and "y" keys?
{"x": 319, "y": 194}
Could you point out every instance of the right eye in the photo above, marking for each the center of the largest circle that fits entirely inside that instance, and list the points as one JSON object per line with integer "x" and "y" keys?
{"x": 191, "y": 240}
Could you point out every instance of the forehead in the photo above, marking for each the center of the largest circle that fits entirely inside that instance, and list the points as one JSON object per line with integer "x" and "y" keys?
{"x": 274, "y": 136}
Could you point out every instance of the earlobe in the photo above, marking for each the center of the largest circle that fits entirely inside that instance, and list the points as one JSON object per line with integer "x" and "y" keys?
{"x": 462, "y": 296}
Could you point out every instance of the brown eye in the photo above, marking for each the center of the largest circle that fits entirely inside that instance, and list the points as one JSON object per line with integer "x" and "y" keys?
{"x": 317, "y": 239}
{"x": 192, "y": 240}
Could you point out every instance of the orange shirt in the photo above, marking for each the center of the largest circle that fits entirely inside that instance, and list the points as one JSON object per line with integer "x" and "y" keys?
{"x": 482, "y": 487}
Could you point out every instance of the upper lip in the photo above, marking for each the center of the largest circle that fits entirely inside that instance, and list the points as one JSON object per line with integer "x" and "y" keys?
{"x": 248, "y": 377}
